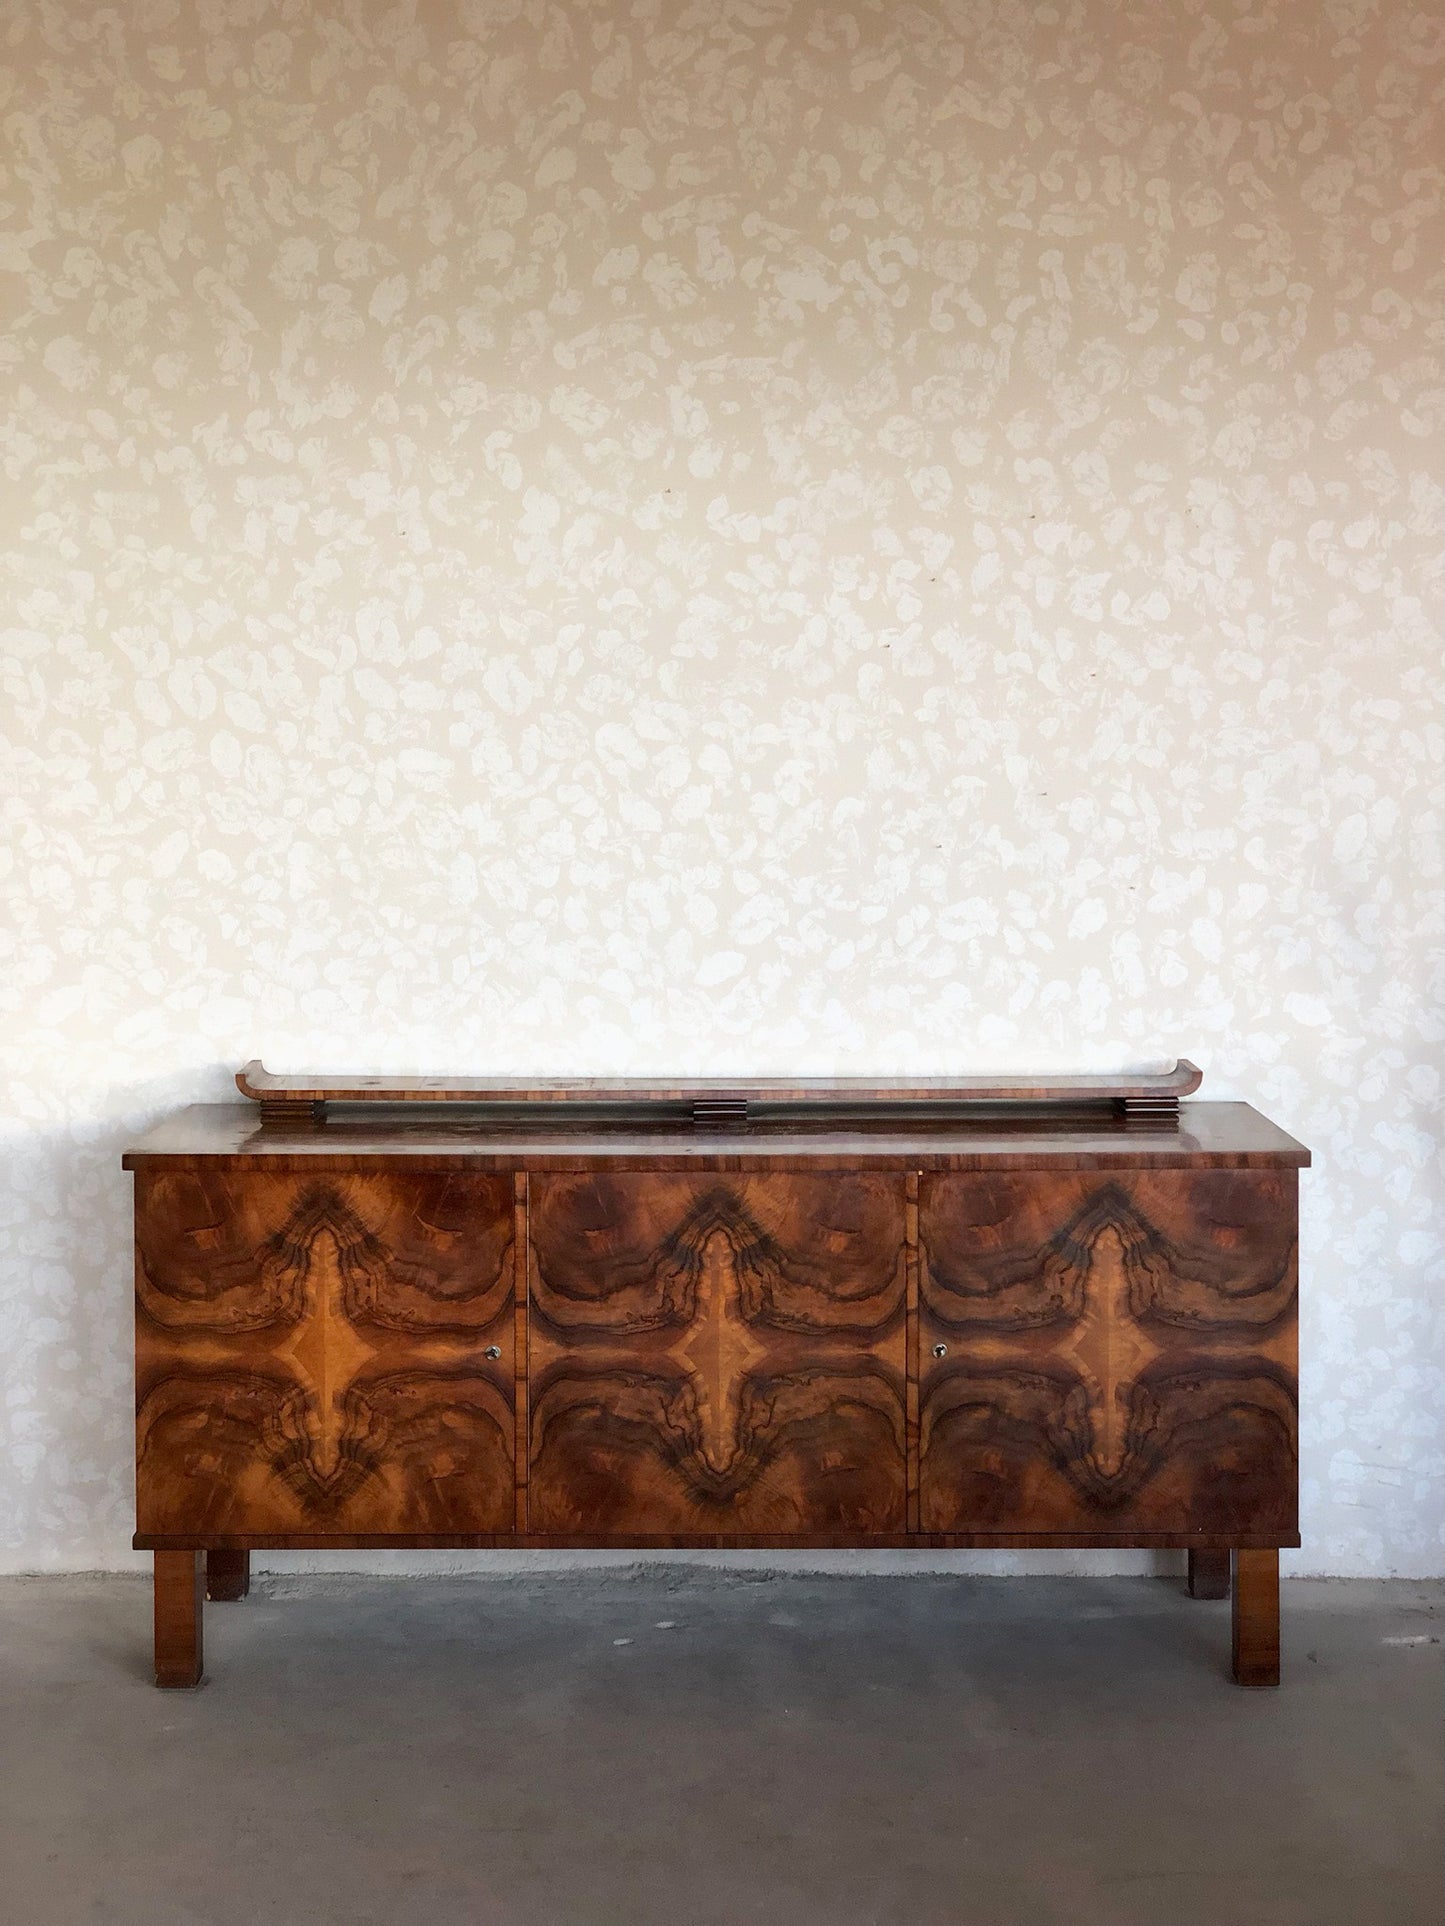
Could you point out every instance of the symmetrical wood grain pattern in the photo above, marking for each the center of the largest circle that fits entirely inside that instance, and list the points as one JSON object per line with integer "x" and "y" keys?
{"x": 1001, "y": 1333}
{"x": 1108, "y": 1352}
{"x": 324, "y": 1353}
{"x": 717, "y": 1354}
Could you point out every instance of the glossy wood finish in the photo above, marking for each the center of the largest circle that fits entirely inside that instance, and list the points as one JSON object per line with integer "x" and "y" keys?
{"x": 1209, "y": 1574}
{"x": 1256, "y": 1618}
{"x": 1224, "y": 1136}
{"x": 257, "y": 1082}
{"x": 179, "y": 1615}
{"x": 422, "y": 1330}
{"x": 228, "y": 1574}
{"x": 1108, "y": 1353}
{"x": 324, "y": 1353}
{"x": 717, "y": 1355}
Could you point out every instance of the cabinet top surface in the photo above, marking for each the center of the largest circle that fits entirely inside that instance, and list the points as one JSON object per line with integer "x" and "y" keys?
{"x": 1226, "y": 1135}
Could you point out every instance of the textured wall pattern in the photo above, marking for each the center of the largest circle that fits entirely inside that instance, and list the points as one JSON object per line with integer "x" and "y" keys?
{"x": 745, "y": 534}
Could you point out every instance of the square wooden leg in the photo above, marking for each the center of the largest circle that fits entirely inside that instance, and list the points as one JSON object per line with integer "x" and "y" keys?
{"x": 1208, "y": 1574}
{"x": 1256, "y": 1618}
{"x": 180, "y": 1605}
{"x": 228, "y": 1574}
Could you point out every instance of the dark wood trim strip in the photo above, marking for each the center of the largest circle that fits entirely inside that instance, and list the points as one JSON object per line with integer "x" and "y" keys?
{"x": 911, "y": 1362}
{"x": 521, "y": 1273}
{"x": 717, "y": 1541}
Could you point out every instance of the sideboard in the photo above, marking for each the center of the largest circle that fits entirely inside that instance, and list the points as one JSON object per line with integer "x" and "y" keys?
{"x": 834, "y": 1313}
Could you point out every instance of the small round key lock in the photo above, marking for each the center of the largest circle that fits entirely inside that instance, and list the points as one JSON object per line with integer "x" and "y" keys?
{"x": 492, "y": 1351}
{"x": 940, "y": 1350}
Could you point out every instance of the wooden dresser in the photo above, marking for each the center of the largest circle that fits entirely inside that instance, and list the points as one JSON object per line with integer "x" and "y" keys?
{"x": 829, "y": 1313}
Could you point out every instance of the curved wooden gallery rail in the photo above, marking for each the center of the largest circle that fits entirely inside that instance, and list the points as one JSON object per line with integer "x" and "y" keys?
{"x": 704, "y": 1100}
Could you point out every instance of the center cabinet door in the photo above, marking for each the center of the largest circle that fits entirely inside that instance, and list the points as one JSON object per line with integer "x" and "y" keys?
{"x": 717, "y": 1354}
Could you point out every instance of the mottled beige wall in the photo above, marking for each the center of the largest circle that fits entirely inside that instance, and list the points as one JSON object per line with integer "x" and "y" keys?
{"x": 762, "y": 536}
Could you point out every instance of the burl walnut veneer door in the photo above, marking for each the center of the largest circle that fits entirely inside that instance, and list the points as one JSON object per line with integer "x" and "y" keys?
{"x": 717, "y": 1354}
{"x": 1108, "y": 1352}
{"x": 325, "y": 1354}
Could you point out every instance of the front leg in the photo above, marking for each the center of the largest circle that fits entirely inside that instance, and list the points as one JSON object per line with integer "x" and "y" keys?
{"x": 179, "y": 1608}
{"x": 1256, "y": 1618}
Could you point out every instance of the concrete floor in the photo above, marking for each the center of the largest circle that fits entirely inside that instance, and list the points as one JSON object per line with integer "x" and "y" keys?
{"x": 703, "y": 1749}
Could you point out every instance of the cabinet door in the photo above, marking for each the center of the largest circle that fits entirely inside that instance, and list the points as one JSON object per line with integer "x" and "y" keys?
{"x": 1119, "y": 1352}
{"x": 717, "y": 1354}
{"x": 312, "y": 1353}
